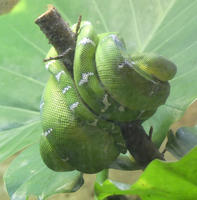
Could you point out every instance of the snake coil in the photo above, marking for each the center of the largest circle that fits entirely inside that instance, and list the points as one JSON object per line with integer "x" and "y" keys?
{"x": 80, "y": 113}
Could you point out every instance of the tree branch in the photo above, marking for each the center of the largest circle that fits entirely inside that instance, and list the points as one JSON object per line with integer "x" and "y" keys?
{"x": 139, "y": 143}
{"x": 58, "y": 33}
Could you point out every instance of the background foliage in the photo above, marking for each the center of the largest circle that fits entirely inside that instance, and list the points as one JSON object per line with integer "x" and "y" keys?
{"x": 164, "y": 27}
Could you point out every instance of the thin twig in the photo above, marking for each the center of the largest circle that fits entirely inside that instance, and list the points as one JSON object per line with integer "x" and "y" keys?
{"x": 78, "y": 27}
{"x": 59, "y": 56}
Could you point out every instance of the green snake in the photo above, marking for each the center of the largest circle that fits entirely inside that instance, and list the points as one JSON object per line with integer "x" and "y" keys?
{"x": 81, "y": 112}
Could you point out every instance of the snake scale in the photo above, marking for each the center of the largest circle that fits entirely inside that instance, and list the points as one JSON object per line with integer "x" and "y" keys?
{"x": 81, "y": 112}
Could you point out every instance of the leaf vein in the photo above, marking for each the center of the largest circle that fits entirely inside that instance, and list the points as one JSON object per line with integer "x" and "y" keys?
{"x": 185, "y": 74}
{"x": 101, "y": 16}
{"x": 176, "y": 16}
{"x": 174, "y": 34}
{"x": 135, "y": 23}
{"x": 184, "y": 50}
{"x": 28, "y": 41}
{"x": 22, "y": 76}
{"x": 19, "y": 109}
{"x": 157, "y": 26}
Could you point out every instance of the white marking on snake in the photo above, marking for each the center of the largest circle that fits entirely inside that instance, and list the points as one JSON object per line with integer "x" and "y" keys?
{"x": 94, "y": 123}
{"x": 74, "y": 105}
{"x": 106, "y": 103}
{"x": 85, "y": 77}
{"x": 140, "y": 114}
{"x": 85, "y": 24}
{"x": 58, "y": 76}
{"x": 48, "y": 132}
{"x": 113, "y": 127}
{"x": 49, "y": 63}
{"x": 114, "y": 38}
{"x": 154, "y": 90}
{"x": 126, "y": 63}
{"x": 66, "y": 89}
{"x": 151, "y": 93}
{"x": 154, "y": 82}
{"x": 85, "y": 41}
{"x": 65, "y": 159}
{"x": 41, "y": 105}
{"x": 119, "y": 143}
{"x": 121, "y": 108}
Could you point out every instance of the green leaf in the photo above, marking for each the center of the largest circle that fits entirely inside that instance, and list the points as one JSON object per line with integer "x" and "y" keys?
{"x": 182, "y": 142}
{"x": 28, "y": 175}
{"x": 16, "y": 139}
{"x": 160, "y": 181}
{"x": 22, "y": 80}
{"x": 19, "y": 116}
{"x": 110, "y": 187}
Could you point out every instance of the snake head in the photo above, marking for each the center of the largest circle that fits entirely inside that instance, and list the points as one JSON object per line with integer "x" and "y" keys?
{"x": 156, "y": 66}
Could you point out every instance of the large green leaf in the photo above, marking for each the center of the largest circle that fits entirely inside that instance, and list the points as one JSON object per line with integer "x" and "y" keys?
{"x": 183, "y": 141}
{"x": 160, "y": 181}
{"x": 28, "y": 175}
{"x": 22, "y": 79}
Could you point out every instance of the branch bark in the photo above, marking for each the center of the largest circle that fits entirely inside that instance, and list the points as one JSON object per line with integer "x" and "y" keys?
{"x": 139, "y": 143}
{"x": 58, "y": 33}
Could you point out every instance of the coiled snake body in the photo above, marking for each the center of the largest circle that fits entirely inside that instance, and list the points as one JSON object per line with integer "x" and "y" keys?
{"x": 81, "y": 113}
